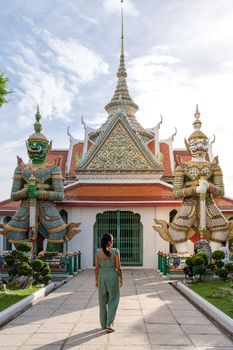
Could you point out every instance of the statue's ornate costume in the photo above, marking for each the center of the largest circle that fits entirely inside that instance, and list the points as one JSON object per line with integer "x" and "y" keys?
{"x": 49, "y": 182}
{"x": 196, "y": 181}
{"x": 37, "y": 186}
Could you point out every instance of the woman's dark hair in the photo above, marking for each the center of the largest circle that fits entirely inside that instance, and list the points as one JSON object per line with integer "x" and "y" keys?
{"x": 104, "y": 243}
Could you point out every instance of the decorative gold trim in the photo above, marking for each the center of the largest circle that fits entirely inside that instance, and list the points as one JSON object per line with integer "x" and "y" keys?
{"x": 57, "y": 229}
{"x": 56, "y": 240}
{"x": 15, "y": 229}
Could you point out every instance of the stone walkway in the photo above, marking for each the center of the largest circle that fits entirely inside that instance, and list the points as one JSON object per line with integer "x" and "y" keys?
{"x": 151, "y": 316}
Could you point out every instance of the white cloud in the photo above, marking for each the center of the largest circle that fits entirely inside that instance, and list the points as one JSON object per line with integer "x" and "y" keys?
{"x": 11, "y": 146}
{"x": 76, "y": 58}
{"x": 163, "y": 85}
{"x": 53, "y": 75}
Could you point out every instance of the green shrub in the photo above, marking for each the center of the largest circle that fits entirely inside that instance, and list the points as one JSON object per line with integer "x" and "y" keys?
{"x": 188, "y": 271}
{"x": 23, "y": 246}
{"x": 9, "y": 260}
{"x": 19, "y": 263}
{"x": 211, "y": 266}
{"x": 37, "y": 264}
{"x": 218, "y": 255}
{"x": 189, "y": 261}
{"x": 229, "y": 267}
{"x": 198, "y": 260}
{"x": 196, "y": 265}
{"x": 199, "y": 270}
{"x": 25, "y": 269}
{"x": 219, "y": 264}
{"x": 203, "y": 256}
{"x": 47, "y": 278}
{"x": 15, "y": 253}
{"x": 45, "y": 271}
{"x": 222, "y": 273}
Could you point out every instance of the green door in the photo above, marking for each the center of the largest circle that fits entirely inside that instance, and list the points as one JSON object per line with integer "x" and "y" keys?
{"x": 126, "y": 228}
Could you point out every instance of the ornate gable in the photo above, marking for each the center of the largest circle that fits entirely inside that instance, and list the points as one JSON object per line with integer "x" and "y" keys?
{"x": 119, "y": 148}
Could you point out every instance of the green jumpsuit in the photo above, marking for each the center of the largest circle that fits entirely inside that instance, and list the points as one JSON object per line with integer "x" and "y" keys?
{"x": 108, "y": 288}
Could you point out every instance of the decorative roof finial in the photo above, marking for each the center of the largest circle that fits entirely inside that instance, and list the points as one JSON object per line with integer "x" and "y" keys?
{"x": 197, "y": 114}
{"x": 122, "y": 29}
{"x": 121, "y": 88}
{"x": 197, "y": 123}
{"x": 197, "y": 133}
{"x": 37, "y": 124}
{"x": 37, "y": 136}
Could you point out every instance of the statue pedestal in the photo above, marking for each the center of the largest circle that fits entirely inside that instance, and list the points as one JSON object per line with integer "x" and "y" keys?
{"x": 182, "y": 249}
{"x": 215, "y": 245}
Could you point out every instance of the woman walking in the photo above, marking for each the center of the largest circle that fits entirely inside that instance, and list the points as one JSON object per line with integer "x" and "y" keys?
{"x": 108, "y": 276}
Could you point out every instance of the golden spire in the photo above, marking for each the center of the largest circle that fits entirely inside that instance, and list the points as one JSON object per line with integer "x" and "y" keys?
{"x": 37, "y": 136}
{"x": 121, "y": 95}
{"x": 122, "y": 30}
{"x": 197, "y": 133}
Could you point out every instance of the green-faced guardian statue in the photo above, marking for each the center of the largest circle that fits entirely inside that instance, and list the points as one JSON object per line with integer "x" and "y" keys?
{"x": 37, "y": 185}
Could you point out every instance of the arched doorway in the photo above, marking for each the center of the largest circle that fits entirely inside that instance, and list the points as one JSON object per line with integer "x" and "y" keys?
{"x": 127, "y": 230}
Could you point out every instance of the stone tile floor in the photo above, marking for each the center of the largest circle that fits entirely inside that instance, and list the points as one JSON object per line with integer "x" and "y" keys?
{"x": 152, "y": 315}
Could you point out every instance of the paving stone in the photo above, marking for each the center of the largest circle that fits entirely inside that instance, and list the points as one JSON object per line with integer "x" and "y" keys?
{"x": 86, "y": 327}
{"x": 187, "y": 313}
{"x": 92, "y": 337}
{"x": 55, "y": 328}
{"x": 128, "y": 319}
{"x": 129, "y": 340}
{"x": 200, "y": 329}
{"x": 20, "y": 328}
{"x": 43, "y": 347}
{"x": 7, "y": 340}
{"x": 171, "y": 347}
{"x": 157, "y": 318}
{"x": 215, "y": 348}
{"x": 193, "y": 320}
{"x": 167, "y": 339}
{"x": 86, "y": 347}
{"x": 48, "y": 339}
{"x": 126, "y": 312}
{"x": 28, "y": 319}
{"x": 164, "y": 328}
{"x": 210, "y": 340}
{"x": 128, "y": 347}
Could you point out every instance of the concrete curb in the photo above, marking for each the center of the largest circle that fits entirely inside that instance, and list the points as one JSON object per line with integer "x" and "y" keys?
{"x": 218, "y": 316}
{"x": 14, "y": 310}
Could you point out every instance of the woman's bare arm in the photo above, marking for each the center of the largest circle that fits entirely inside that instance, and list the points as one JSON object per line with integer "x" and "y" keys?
{"x": 118, "y": 267}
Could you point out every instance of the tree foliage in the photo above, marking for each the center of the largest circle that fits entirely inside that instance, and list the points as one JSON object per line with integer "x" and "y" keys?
{"x": 3, "y": 88}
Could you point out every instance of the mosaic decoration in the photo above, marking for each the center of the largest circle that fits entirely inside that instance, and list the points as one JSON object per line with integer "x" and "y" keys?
{"x": 119, "y": 152}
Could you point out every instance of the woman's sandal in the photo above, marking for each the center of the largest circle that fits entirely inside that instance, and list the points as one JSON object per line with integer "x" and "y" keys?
{"x": 110, "y": 329}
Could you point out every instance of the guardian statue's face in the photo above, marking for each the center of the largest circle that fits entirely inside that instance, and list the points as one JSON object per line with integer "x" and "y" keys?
{"x": 37, "y": 151}
{"x": 198, "y": 147}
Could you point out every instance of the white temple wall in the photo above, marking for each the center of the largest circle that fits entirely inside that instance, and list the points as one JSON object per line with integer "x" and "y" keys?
{"x": 152, "y": 242}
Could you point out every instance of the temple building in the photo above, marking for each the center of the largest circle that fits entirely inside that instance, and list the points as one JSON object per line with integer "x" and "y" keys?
{"x": 117, "y": 180}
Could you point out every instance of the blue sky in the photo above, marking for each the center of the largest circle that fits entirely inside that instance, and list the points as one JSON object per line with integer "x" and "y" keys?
{"x": 63, "y": 55}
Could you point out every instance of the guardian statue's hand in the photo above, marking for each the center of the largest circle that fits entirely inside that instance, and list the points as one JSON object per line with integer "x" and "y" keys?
{"x": 32, "y": 191}
{"x": 203, "y": 186}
